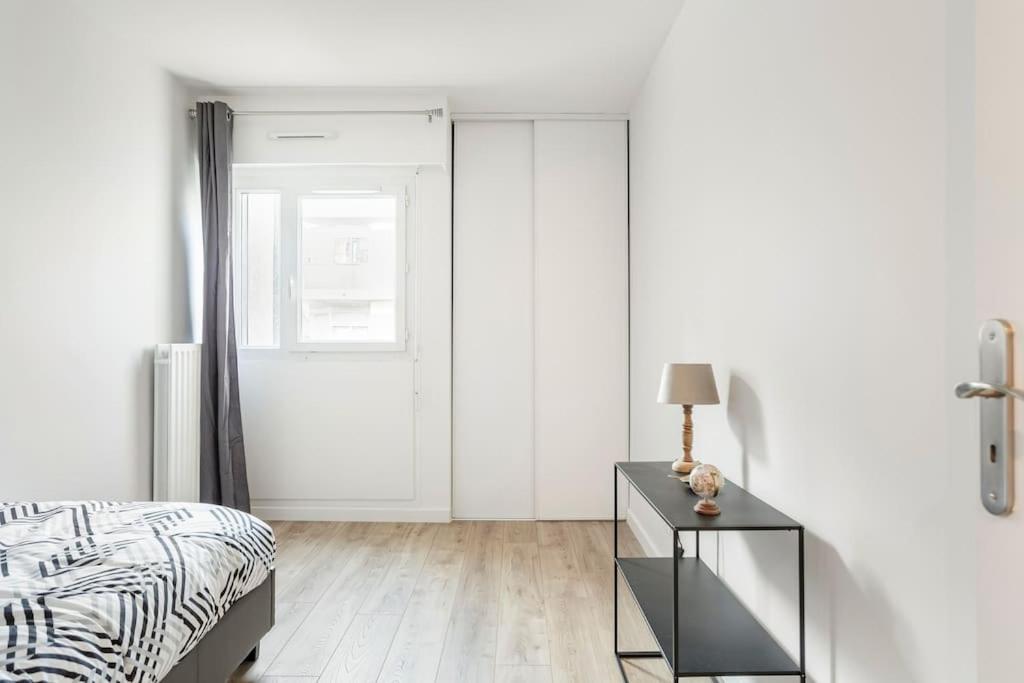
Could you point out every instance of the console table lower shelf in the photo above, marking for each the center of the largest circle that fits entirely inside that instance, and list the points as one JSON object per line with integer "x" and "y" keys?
{"x": 717, "y": 637}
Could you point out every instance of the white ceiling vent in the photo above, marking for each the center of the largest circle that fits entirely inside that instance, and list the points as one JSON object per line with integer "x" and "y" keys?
{"x": 303, "y": 135}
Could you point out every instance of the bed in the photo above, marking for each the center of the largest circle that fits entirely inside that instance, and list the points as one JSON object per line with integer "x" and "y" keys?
{"x": 99, "y": 591}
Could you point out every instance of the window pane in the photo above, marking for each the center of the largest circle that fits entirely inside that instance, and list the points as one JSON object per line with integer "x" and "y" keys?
{"x": 258, "y": 300}
{"x": 349, "y": 270}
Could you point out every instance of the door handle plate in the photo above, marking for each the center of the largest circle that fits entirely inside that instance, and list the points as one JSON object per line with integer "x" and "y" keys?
{"x": 995, "y": 348}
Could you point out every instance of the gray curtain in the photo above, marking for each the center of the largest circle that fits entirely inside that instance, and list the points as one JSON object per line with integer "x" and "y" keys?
{"x": 222, "y": 477}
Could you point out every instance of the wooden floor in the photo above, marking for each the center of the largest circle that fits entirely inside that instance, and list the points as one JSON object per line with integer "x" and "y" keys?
{"x": 466, "y": 601}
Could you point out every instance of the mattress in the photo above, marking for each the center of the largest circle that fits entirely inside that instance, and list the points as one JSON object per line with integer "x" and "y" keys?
{"x": 98, "y": 591}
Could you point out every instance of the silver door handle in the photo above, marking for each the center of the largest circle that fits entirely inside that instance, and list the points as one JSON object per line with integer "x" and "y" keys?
{"x": 986, "y": 390}
{"x": 995, "y": 369}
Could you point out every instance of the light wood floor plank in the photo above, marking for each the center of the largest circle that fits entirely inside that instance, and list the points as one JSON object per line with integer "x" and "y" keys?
{"x": 392, "y": 595}
{"x": 313, "y": 643}
{"x": 573, "y": 657}
{"x": 453, "y": 536}
{"x": 471, "y": 641}
{"x": 559, "y": 566}
{"x": 311, "y": 580}
{"x": 299, "y": 549}
{"x": 566, "y": 607}
{"x": 417, "y": 646}
{"x": 361, "y": 653}
{"x": 522, "y": 625}
{"x": 523, "y": 674}
{"x": 520, "y": 532}
{"x": 358, "y": 531}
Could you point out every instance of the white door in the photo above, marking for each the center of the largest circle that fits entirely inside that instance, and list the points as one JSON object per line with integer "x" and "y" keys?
{"x": 581, "y": 372}
{"x": 326, "y": 355}
{"x": 999, "y": 274}
{"x": 492, "y": 321}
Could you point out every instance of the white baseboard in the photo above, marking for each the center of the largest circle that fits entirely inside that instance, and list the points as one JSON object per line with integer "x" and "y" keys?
{"x": 268, "y": 510}
{"x": 642, "y": 536}
{"x": 300, "y": 513}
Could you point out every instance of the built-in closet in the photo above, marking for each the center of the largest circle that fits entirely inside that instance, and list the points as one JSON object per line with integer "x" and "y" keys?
{"x": 540, "y": 296}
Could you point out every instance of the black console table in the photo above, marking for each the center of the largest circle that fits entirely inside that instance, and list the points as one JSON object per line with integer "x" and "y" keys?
{"x": 702, "y": 629}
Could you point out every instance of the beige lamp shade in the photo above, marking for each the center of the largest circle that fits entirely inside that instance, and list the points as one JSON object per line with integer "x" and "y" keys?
{"x": 688, "y": 384}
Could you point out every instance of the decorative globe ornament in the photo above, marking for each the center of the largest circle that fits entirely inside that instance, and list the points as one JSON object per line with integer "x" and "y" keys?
{"x": 706, "y": 481}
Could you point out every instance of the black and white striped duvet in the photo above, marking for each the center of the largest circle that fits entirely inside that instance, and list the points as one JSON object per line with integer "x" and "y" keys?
{"x": 96, "y": 591}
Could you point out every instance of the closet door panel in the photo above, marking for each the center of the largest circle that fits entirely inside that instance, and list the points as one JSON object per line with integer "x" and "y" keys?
{"x": 493, "y": 321}
{"x": 581, "y": 315}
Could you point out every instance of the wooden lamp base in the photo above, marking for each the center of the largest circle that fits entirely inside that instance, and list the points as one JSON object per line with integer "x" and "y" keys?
{"x": 685, "y": 462}
{"x": 706, "y": 506}
{"x": 684, "y": 466}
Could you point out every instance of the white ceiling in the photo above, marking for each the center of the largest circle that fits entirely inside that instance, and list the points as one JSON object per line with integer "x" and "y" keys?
{"x": 489, "y": 55}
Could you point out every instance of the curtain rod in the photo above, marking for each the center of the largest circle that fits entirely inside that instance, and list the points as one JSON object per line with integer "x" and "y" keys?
{"x": 429, "y": 113}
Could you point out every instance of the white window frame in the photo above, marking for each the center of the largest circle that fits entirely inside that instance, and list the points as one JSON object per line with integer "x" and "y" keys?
{"x": 292, "y": 183}
{"x": 238, "y": 269}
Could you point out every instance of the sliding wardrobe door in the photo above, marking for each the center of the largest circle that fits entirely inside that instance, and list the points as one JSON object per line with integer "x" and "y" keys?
{"x": 492, "y": 365}
{"x": 581, "y": 315}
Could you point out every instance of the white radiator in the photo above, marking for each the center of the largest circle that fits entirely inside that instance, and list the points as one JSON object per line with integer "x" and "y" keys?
{"x": 176, "y": 422}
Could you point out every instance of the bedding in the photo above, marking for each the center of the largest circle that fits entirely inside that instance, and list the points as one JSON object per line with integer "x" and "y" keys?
{"x": 99, "y": 591}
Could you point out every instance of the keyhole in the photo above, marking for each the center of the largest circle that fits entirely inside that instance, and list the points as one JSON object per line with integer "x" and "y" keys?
{"x": 992, "y": 453}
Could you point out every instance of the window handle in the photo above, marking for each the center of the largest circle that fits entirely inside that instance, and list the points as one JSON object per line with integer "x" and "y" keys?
{"x": 291, "y": 288}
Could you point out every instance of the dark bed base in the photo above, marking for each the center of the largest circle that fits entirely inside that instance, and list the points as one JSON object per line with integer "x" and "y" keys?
{"x": 234, "y": 639}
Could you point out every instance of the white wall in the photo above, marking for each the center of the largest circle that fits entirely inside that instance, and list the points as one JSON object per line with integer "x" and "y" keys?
{"x": 94, "y": 173}
{"x": 789, "y": 225}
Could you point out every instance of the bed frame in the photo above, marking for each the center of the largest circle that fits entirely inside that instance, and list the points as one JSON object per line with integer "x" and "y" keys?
{"x": 232, "y": 640}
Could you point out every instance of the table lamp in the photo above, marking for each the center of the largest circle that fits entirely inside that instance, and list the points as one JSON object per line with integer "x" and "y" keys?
{"x": 688, "y": 385}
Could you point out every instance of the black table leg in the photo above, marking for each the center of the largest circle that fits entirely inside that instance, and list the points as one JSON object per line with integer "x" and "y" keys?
{"x": 800, "y": 572}
{"x": 615, "y": 556}
{"x": 675, "y": 603}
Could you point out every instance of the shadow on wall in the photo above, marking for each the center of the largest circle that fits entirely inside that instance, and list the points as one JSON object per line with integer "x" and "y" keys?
{"x": 869, "y": 643}
{"x": 746, "y": 420}
{"x": 870, "y": 639}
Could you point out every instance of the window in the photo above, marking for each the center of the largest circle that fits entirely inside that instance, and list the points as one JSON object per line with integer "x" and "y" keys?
{"x": 337, "y": 241}
{"x": 348, "y": 268}
{"x": 256, "y": 269}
